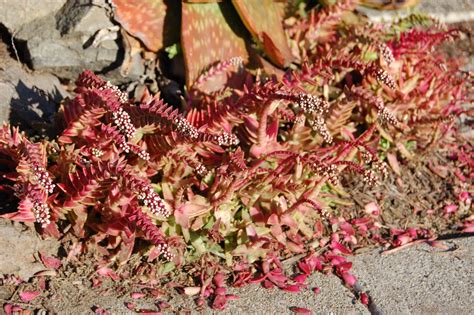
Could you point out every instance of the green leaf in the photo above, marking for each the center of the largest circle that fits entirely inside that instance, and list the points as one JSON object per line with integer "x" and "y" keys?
{"x": 173, "y": 50}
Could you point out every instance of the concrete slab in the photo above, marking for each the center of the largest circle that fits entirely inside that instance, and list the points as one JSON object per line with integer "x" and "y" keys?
{"x": 333, "y": 298}
{"x": 417, "y": 280}
{"x": 421, "y": 279}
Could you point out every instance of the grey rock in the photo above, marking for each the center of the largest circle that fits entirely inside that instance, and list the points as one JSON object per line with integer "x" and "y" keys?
{"x": 63, "y": 42}
{"x": 68, "y": 51}
{"x": 17, "y": 13}
{"x": 27, "y": 98}
{"x": 22, "y": 261}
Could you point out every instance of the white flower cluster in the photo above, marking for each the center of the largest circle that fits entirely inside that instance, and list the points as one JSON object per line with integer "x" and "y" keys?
{"x": 165, "y": 251}
{"x": 123, "y": 122}
{"x": 329, "y": 171}
{"x": 41, "y": 212}
{"x": 43, "y": 178}
{"x": 383, "y": 76}
{"x": 97, "y": 152}
{"x": 226, "y": 139}
{"x": 185, "y": 128}
{"x": 312, "y": 104}
{"x": 153, "y": 201}
{"x": 386, "y": 53}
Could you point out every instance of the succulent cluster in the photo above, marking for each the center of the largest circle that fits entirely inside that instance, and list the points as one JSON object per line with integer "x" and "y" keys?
{"x": 244, "y": 177}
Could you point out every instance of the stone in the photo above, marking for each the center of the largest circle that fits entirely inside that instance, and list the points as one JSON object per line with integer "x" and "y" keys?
{"x": 27, "y": 98}
{"x": 63, "y": 41}
{"x": 18, "y": 13}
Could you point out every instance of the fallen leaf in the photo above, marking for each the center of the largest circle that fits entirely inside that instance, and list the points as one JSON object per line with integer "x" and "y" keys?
{"x": 27, "y": 296}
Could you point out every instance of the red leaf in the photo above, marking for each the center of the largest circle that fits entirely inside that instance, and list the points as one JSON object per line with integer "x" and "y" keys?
{"x": 306, "y": 268}
{"x": 219, "y": 280}
{"x": 27, "y": 296}
{"x": 364, "y": 298}
{"x": 50, "y": 262}
{"x": 316, "y": 290}
{"x": 267, "y": 284}
{"x": 292, "y": 288}
{"x": 339, "y": 248}
{"x": 219, "y": 302}
{"x": 300, "y": 278}
{"x": 300, "y": 310}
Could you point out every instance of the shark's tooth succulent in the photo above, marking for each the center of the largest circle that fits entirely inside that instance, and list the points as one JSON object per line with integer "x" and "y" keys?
{"x": 264, "y": 21}
{"x": 210, "y": 33}
{"x": 149, "y": 21}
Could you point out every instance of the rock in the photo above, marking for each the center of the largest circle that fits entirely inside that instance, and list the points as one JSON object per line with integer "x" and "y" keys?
{"x": 20, "y": 245}
{"x": 63, "y": 41}
{"x": 26, "y": 98}
{"x": 18, "y": 13}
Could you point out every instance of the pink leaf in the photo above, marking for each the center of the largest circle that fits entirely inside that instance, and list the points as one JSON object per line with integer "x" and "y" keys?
{"x": 27, "y": 296}
{"x": 463, "y": 196}
{"x": 300, "y": 310}
{"x": 220, "y": 291}
{"x": 273, "y": 219}
{"x": 50, "y": 262}
{"x": 137, "y": 295}
{"x": 231, "y": 297}
{"x": 339, "y": 248}
{"x": 393, "y": 162}
{"x": 107, "y": 272}
{"x": 100, "y": 311}
{"x": 131, "y": 306}
{"x": 349, "y": 279}
{"x": 450, "y": 209}
{"x": 42, "y": 283}
{"x": 468, "y": 227}
{"x": 163, "y": 305}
